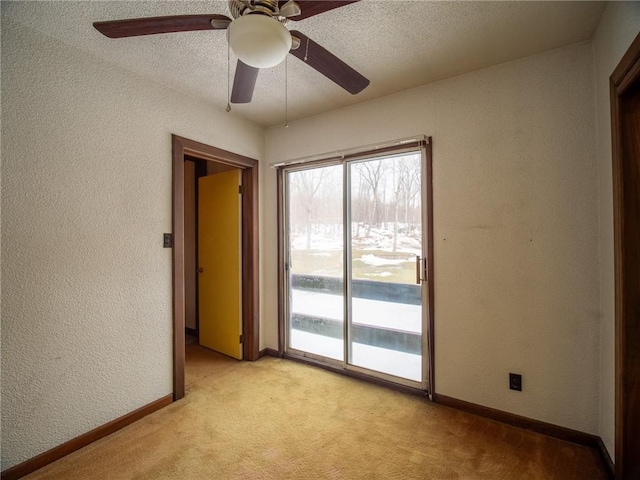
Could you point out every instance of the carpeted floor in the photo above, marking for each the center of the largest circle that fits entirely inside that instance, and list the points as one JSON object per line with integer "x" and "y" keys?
{"x": 277, "y": 419}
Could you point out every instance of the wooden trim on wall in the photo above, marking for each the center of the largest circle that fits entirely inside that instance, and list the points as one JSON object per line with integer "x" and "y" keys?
{"x": 549, "y": 429}
{"x": 270, "y": 352}
{"x": 627, "y": 330}
{"x": 178, "y": 267}
{"x": 203, "y": 151}
{"x": 250, "y": 257}
{"x": 56, "y": 453}
{"x": 618, "y": 282}
{"x": 201, "y": 171}
{"x": 607, "y": 462}
{"x": 628, "y": 69}
{"x": 250, "y": 264}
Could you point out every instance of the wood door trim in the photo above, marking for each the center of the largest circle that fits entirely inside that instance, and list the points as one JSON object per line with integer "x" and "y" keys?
{"x": 250, "y": 263}
{"x": 628, "y": 68}
{"x": 250, "y": 259}
{"x": 203, "y": 151}
{"x": 626, "y": 74}
{"x": 200, "y": 171}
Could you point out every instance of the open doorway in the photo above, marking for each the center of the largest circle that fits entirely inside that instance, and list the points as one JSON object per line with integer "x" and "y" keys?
{"x": 197, "y": 159}
{"x": 213, "y": 260}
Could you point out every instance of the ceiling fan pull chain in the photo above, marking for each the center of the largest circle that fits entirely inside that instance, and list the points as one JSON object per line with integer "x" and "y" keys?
{"x": 286, "y": 91}
{"x": 228, "y": 77}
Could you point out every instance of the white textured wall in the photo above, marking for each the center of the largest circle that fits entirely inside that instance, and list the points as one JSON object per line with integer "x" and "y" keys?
{"x": 515, "y": 226}
{"x": 618, "y": 27}
{"x": 86, "y": 297}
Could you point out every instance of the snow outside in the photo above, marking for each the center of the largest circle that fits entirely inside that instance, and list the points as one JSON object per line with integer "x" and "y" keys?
{"x": 385, "y": 239}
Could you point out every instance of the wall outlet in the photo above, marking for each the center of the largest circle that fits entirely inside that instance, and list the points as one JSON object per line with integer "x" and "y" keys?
{"x": 515, "y": 381}
{"x": 167, "y": 240}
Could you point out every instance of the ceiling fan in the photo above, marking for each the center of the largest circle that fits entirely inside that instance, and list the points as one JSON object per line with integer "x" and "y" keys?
{"x": 257, "y": 35}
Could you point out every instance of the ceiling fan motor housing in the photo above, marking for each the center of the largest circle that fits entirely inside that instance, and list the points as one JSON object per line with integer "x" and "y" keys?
{"x": 238, "y": 8}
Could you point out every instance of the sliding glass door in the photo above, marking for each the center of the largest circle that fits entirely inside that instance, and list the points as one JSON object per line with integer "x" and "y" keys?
{"x": 356, "y": 264}
{"x": 315, "y": 261}
{"x": 385, "y": 265}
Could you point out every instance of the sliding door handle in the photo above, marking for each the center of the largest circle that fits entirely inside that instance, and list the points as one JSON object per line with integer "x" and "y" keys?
{"x": 425, "y": 270}
{"x": 422, "y": 269}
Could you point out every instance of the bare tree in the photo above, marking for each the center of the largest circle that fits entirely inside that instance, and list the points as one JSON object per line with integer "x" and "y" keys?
{"x": 398, "y": 184}
{"x": 411, "y": 177}
{"x": 305, "y": 185}
{"x": 371, "y": 173}
{"x": 406, "y": 176}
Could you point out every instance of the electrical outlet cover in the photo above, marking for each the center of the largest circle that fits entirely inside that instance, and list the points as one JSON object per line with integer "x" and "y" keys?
{"x": 515, "y": 381}
{"x": 167, "y": 240}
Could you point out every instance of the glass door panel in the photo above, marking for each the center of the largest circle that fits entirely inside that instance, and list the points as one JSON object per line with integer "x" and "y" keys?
{"x": 385, "y": 268}
{"x": 315, "y": 237}
{"x": 355, "y": 265}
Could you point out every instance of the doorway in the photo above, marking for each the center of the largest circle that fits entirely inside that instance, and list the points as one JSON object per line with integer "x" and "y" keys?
{"x": 213, "y": 260}
{"x": 357, "y": 262}
{"x": 185, "y": 150}
{"x": 219, "y": 260}
{"x": 625, "y": 117}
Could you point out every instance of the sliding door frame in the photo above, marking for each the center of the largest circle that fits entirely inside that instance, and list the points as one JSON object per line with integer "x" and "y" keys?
{"x": 424, "y": 146}
{"x": 285, "y": 261}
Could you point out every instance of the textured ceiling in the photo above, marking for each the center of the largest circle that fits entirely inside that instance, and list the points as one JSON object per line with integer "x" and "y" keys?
{"x": 395, "y": 44}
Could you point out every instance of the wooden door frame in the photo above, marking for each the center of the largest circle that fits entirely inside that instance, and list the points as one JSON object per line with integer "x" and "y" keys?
{"x": 624, "y": 76}
{"x": 250, "y": 273}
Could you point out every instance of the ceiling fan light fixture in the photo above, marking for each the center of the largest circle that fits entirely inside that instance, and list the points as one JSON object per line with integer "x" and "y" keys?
{"x": 259, "y": 40}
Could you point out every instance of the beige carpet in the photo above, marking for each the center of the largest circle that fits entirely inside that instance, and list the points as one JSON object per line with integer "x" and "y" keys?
{"x": 277, "y": 419}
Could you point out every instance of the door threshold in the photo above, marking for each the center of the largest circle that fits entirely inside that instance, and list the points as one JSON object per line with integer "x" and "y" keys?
{"x": 357, "y": 375}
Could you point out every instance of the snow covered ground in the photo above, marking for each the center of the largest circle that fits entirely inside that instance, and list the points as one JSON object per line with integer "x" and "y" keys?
{"x": 329, "y": 237}
{"x": 400, "y": 364}
{"x": 398, "y": 316}
{"x": 377, "y": 313}
{"x": 317, "y": 250}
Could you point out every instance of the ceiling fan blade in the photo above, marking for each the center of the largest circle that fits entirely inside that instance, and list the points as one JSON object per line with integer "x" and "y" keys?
{"x": 328, "y": 64}
{"x": 243, "y": 83}
{"x": 314, "y": 7}
{"x": 148, "y": 26}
